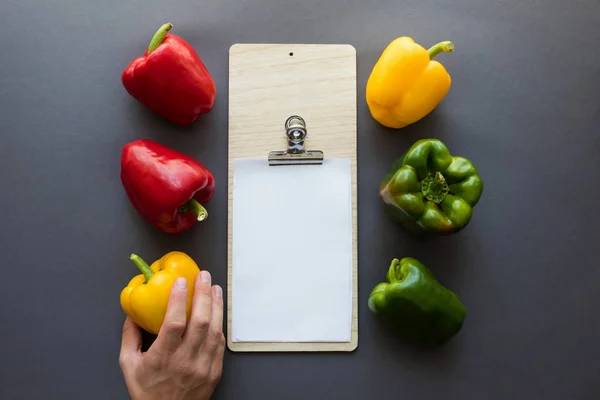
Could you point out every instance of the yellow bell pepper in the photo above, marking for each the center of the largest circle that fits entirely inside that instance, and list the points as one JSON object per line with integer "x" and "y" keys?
{"x": 406, "y": 83}
{"x": 146, "y": 297}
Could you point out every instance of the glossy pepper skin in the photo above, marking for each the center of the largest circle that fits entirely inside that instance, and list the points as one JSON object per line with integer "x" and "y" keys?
{"x": 406, "y": 84}
{"x": 170, "y": 79}
{"x": 429, "y": 191}
{"x": 166, "y": 187}
{"x": 146, "y": 296}
{"x": 414, "y": 305}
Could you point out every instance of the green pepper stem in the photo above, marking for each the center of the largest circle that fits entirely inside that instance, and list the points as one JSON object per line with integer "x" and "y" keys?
{"x": 434, "y": 187}
{"x": 159, "y": 37}
{"x": 394, "y": 275}
{"x": 437, "y": 186}
{"x": 142, "y": 266}
{"x": 195, "y": 207}
{"x": 446, "y": 47}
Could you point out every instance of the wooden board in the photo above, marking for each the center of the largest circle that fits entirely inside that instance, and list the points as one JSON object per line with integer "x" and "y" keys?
{"x": 267, "y": 84}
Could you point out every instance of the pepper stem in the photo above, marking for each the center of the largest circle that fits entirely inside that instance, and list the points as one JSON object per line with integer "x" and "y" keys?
{"x": 142, "y": 266}
{"x": 195, "y": 207}
{"x": 434, "y": 187}
{"x": 437, "y": 186}
{"x": 446, "y": 47}
{"x": 394, "y": 275}
{"x": 159, "y": 37}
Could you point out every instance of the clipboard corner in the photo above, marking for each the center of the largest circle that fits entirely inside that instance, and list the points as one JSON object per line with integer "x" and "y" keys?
{"x": 234, "y": 48}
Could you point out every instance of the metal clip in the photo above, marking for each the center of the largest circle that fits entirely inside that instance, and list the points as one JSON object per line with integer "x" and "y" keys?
{"x": 295, "y": 131}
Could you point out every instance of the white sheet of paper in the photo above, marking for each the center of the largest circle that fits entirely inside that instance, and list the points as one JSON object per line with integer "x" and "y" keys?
{"x": 292, "y": 252}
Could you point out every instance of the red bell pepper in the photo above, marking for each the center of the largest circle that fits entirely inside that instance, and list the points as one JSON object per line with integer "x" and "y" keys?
{"x": 165, "y": 186}
{"x": 170, "y": 79}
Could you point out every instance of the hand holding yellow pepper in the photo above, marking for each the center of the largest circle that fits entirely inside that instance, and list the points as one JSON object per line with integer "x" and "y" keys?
{"x": 146, "y": 297}
{"x": 406, "y": 83}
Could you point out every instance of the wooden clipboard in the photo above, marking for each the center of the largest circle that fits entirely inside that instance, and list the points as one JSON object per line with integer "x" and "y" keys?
{"x": 267, "y": 84}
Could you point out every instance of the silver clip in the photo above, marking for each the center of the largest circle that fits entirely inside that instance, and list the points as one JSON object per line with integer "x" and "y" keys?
{"x": 295, "y": 131}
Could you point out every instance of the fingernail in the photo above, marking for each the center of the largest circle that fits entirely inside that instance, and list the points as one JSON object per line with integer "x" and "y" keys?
{"x": 218, "y": 291}
{"x": 205, "y": 277}
{"x": 181, "y": 283}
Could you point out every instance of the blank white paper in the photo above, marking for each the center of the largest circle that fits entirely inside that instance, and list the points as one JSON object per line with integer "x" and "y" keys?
{"x": 292, "y": 252}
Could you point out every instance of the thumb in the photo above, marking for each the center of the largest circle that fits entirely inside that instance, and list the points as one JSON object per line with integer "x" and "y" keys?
{"x": 131, "y": 343}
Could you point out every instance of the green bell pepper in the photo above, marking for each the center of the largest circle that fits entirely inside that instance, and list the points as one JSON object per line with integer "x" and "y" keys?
{"x": 430, "y": 191}
{"x": 414, "y": 305}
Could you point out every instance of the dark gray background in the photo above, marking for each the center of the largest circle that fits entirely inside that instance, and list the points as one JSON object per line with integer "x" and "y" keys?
{"x": 523, "y": 107}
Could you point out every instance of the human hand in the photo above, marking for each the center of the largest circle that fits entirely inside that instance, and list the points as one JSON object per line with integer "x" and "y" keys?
{"x": 186, "y": 359}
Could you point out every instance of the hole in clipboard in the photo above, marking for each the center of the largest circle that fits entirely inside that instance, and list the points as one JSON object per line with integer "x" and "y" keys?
{"x": 291, "y": 53}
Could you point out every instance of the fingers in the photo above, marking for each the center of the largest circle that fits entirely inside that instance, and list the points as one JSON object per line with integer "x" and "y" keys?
{"x": 171, "y": 332}
{"x": 200, "y": 318}
{"x": 131, "y": 343}
{"x": 215, "y": 341}
{"x": 216, "y": 323}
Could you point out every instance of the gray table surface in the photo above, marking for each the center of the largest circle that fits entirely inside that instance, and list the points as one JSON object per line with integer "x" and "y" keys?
{"x": 523, "y": 106}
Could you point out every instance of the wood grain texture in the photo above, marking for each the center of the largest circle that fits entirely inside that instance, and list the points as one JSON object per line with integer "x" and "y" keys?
{"x": 267, "y": 84}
